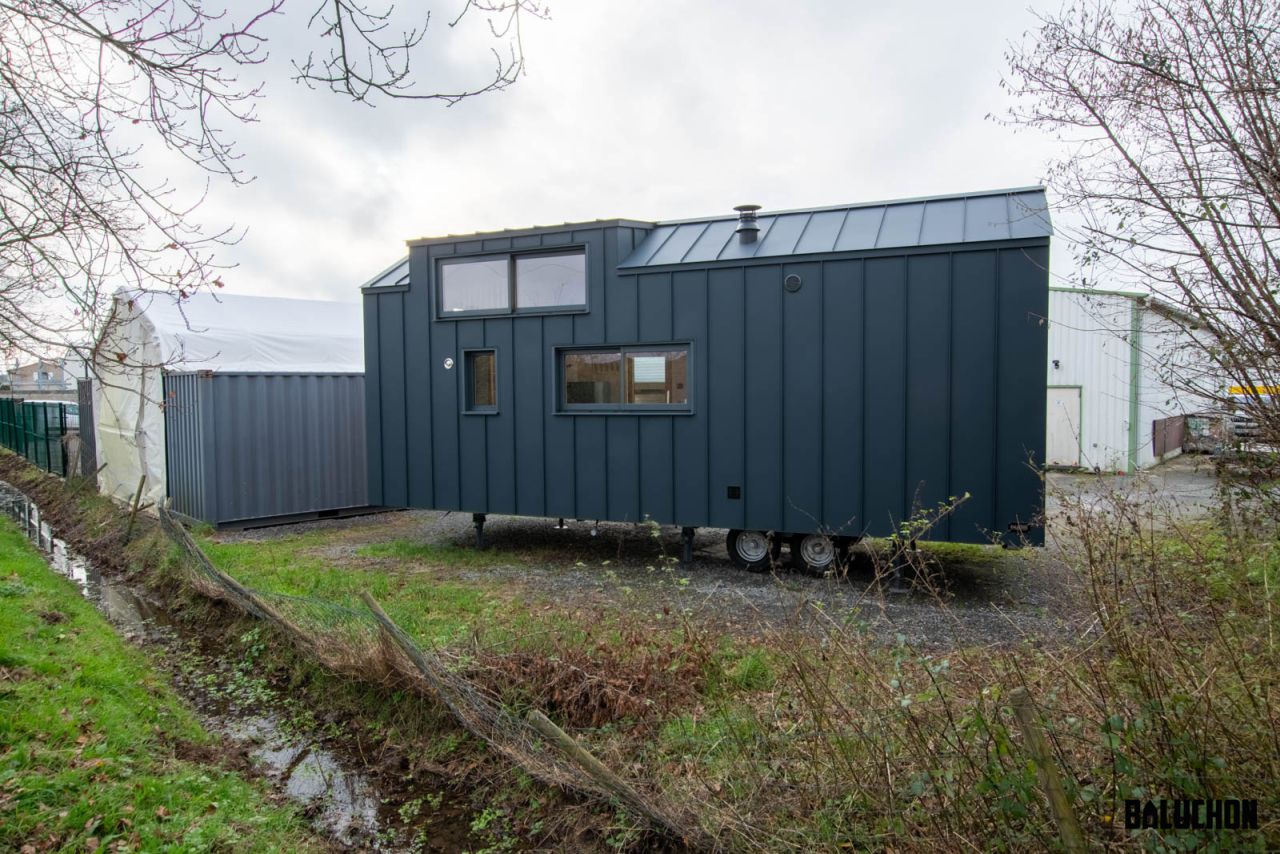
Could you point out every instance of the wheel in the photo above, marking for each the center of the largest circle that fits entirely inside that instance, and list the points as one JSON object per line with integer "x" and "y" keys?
{"x": 814, "y": 553}
{"x": 753, "y": 550}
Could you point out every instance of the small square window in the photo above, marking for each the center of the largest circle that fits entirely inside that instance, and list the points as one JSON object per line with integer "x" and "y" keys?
{"x": 482, "y": 381}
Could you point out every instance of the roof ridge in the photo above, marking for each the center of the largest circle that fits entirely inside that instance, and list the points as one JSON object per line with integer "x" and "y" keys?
{"x": 880, "y": 203}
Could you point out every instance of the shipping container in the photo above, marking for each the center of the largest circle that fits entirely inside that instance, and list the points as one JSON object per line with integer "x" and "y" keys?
{"x": 235, "y": 410}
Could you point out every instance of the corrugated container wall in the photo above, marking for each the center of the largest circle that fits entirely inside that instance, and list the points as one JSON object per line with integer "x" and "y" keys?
{"x": 254, "y": 446}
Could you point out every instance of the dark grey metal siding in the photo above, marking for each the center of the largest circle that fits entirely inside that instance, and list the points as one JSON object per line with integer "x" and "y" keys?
{"x": 892, "y": 380}
{"x": 253, "y": 446}
{"x": 88, "y": 438}
{"x": 187, "y": 455}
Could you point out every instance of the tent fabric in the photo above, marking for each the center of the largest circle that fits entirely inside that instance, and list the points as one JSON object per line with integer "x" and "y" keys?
{"x": 243, "y": 334}
{"x": 232, "y": 334}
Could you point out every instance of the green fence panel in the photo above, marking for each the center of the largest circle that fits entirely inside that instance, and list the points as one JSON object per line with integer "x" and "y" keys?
{"x": 35, "y": 430}
{"x": 12, "y": 433}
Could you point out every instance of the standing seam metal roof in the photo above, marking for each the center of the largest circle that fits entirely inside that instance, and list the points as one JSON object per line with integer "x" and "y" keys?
{"x": 970, "y": 218}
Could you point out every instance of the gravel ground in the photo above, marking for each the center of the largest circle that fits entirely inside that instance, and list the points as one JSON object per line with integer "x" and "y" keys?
{"x": 1182, "y": 488}
{"x": 994, "y": 596}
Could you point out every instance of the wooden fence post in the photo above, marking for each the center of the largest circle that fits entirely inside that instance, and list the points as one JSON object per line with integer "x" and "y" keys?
{"x": 133, "y": 514}
{"x": 1038, "y": 746}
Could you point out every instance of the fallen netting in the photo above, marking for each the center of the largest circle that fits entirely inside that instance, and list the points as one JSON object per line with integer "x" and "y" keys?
{"x": 368, "y": 645}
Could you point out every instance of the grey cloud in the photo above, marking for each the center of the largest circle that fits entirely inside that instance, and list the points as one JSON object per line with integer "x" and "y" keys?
{"x": 652, "y": 110}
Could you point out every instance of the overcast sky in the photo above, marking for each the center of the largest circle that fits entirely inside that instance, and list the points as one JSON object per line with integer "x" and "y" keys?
{"x": 649, "y": 110}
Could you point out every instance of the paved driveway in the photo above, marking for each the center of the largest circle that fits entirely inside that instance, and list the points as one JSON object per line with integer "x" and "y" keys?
{"x": 1183, "y": 488}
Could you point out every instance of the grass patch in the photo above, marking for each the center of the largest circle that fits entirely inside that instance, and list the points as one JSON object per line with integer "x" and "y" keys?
{"x": 949, "y": 554}
{"x": 91, "y": 737}
{"x": 436, "y": 611}
{"x": 434, "y": 554}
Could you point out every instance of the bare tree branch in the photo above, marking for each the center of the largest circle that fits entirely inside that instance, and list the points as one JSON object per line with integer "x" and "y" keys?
{"x": 367, "y": 58}
{"x": 1171, "y": 110}
{"x": 86, "y": 84}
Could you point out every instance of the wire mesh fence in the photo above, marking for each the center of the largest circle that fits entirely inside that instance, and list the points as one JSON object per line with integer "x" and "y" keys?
{"x": 35, "y": 430}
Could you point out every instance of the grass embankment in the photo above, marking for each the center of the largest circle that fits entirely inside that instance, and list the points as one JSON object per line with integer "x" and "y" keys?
{"x": 790, "y": 741}
{"x": 793, "y": 741}
{"x": 95, "y": 749}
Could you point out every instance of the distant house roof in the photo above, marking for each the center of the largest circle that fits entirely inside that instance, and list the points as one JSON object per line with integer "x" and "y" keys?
{"x": 35, "y": 366}
{"x": 966, "y": 218}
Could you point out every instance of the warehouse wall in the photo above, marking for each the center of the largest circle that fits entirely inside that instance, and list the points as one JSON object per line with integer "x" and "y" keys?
{"x": 888, "y": 381}
{"x": 1130, "y": 362}
{"x": 1173, "y": 367}
{"x": 1089, "y": 339}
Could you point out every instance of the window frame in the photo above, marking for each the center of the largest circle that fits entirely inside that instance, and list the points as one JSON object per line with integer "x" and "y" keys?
{"x": 561, "y": 407}
{"x": 468, "y": 401}
{"x": 474, "y": 312}
{"x": 512, "y": 309}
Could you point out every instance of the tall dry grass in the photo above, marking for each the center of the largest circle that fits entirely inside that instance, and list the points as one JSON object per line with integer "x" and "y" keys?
{"x": 1166, "y": 686}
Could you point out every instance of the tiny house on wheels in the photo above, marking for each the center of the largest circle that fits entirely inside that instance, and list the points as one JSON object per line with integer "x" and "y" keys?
{"x": 803, "y": 377}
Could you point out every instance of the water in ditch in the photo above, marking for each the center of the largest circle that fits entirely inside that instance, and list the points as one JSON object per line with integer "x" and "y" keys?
{"x": 344, "y": 801}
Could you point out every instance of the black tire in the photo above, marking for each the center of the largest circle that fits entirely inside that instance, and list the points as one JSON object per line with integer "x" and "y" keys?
{"x": 745, "y": 551}
{"x": 823, "y": 553}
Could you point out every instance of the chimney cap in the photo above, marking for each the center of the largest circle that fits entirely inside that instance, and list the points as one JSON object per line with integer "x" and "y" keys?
{"x": 748, "y": 227}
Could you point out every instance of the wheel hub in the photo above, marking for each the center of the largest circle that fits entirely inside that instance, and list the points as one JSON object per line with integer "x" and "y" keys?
{"x": 753, "y": 546}
{"x": 817, "y": 550}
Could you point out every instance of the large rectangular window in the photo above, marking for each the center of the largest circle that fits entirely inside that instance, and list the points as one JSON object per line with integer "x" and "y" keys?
{"x": 625, "y": 378}
{"x": 526, "y": 282}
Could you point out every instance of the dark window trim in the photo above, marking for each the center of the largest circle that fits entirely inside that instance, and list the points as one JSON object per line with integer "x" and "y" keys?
{"x": 467, "y": 407}
{"x": 512, "y": 309}
{"x": 557, "y": 365}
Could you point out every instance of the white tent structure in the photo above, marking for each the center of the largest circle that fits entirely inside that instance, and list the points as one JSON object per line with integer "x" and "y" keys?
{"x": 152, "y": 336}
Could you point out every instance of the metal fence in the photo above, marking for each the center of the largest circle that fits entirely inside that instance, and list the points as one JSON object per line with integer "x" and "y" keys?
{"x": 34, "y": 429}
{"x": 88, "y": 442}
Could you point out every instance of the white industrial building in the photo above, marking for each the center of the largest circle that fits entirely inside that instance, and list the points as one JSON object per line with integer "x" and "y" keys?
{"x": 1119, "y": 364}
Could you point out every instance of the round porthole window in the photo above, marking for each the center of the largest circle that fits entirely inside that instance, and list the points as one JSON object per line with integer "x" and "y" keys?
{"x": 448, "y": 363}
{"x": 792, "y": 283}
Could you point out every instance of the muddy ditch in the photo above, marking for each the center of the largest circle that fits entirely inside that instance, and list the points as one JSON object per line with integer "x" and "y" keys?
{"x": 353, "y": 796}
